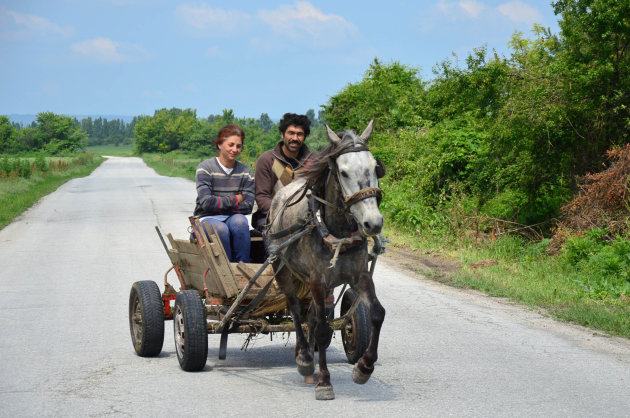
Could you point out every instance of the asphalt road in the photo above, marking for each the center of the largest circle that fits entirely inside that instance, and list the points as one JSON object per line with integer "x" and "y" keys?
{"x": 67, "y": 265}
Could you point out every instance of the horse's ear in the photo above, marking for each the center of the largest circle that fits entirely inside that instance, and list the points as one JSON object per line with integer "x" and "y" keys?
{"x": 332, "y": 136}
{"x": 367, "y": 133}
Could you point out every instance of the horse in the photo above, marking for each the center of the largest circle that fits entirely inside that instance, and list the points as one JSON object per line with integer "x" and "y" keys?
{"x": 334, "y": 202}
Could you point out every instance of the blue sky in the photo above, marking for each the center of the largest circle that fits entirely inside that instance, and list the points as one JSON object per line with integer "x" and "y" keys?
{"x": 131, "y": 57}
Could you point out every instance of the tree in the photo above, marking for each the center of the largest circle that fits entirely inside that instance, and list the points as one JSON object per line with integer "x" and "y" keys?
{"x": 8, "y": 135}
{"x": 390, "y": 94}
{"x": 165, "y": 131}
{"x": 265, "y": 122}
{"x": 58, "y": 133}
{"x": 595, "y": 66}
{"x": 310, "y": 114}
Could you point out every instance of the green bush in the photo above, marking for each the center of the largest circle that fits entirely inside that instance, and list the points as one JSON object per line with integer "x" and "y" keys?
{"x": 602, "y": 266}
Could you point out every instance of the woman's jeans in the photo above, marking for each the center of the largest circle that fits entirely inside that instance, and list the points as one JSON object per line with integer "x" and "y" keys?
{"x": 234, "y": 235}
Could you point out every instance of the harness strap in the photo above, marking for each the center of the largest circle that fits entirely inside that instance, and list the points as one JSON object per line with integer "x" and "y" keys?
{"x": 301, "y": 223}
{"x": 353, "y": 149}
{"x": 363, "y": 194}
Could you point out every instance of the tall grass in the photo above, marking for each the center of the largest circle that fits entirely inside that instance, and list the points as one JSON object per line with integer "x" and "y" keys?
{"x": 18, "y": 193}
{"x": 173, "y": 164}
{"x": 589, "y": 288}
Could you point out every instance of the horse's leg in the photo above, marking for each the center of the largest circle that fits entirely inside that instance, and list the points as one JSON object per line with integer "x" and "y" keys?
{"x": 303, "y": 356}
{"x": 323, "y": 390}
{"x": 365, "y": 366}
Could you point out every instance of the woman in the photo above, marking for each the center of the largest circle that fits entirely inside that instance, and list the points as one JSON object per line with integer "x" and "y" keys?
{"x": 225, "y": 194}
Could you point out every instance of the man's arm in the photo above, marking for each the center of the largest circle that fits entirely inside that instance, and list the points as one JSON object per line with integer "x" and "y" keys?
{"x": 265, "y": 180}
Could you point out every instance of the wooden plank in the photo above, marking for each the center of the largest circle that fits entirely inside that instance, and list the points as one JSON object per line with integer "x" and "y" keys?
{"x": 185, "y": 246}
{"x": 193, "y": 268}
{"x": 272, "y": 292}
{"x": 249, "y": 270}
{"x": 215, "y": 256}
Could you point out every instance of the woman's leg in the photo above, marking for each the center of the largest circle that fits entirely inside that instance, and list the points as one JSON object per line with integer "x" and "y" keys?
{"x": 239, "y": 232}
{"x": 222, "y": 230}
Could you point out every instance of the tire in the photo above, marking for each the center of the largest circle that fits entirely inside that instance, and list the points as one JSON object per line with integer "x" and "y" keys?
{"x": 190, "y": 331}
{"x": 355, "y": 335}
{"x": 146, "y": 318}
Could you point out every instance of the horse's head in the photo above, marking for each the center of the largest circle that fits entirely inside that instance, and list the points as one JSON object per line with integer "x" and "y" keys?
{"x": 356, "y": 170}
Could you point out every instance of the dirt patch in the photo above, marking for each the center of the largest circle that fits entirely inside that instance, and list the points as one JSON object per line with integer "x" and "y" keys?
{"x": 429, "y": 264}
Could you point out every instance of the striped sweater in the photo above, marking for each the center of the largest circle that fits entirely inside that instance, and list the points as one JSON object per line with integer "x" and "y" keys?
{"x": 216, "y": 190}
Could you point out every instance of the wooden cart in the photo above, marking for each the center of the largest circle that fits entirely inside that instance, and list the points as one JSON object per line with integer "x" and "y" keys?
{"x": 219, "y": 297}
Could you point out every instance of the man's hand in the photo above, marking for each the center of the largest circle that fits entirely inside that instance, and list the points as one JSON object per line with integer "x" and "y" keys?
{"x": 239, "y": 198}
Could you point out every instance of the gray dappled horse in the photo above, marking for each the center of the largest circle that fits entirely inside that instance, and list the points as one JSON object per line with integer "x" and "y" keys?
{"x": 342, "y": 184}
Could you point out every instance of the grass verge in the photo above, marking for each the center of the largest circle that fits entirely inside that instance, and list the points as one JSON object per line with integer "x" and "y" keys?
{"x": 523, "y": 272}
{"x": 18, "y": 194}
{"x": 173, "y": 164}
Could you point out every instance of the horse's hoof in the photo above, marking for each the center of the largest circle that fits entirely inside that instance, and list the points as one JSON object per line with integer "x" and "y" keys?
{"x": 306, "y": 369}
{"x": 359, "y": 376}
{"x": 324, "y": 393}
{"x": 310, "y": 380}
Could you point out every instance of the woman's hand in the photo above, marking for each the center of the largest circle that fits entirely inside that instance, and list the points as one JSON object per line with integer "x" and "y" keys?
{"x": 239, "y": 198}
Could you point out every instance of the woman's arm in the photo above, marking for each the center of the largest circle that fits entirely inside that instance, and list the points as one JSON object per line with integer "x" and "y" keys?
{"x": 209, "y": 202}
{"x": 247, "y": 192}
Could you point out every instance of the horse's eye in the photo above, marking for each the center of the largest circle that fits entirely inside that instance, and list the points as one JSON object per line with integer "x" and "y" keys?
{"x": 344, "y": 174}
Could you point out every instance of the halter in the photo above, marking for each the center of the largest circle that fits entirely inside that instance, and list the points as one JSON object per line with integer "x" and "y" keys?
{"x": 356, "y": 197}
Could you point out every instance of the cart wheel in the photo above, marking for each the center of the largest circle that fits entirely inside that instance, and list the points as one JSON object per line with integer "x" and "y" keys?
{"x": 190, "y": 331}
{"x": 355, "y": 335}
{"x": 146, "y": 318}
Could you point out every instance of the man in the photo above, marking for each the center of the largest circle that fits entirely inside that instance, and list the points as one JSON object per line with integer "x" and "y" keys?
{"x": 276, "y": 168}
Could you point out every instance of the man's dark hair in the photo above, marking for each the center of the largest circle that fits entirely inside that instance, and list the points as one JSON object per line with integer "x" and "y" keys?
{"x": 298, "y": 120}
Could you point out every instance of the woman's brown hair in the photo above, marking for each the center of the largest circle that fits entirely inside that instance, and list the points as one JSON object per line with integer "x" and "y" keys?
{"x": 228, "y": 131}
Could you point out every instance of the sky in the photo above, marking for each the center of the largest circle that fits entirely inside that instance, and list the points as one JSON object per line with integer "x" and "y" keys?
{"x": 132, "y": 57}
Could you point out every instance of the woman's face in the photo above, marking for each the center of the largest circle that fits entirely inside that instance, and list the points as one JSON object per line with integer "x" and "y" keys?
{"x": 230, "y": 148}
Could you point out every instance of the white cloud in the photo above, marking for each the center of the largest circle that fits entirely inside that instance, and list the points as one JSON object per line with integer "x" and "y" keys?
{"x": 106, "y": 50}
{"x": 20, "y": 25}
{"x": 444, "y": 7}
{"x": 518, "y": 11}
{"x": 213, "y": 52}
{"x": 191, "y": 87}
{"x": 472, "y": 7}
{"x": 205, "y": 20}
{"x": 302, "y": 22}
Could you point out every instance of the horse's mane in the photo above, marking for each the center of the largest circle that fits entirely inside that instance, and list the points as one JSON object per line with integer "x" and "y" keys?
{"x": 315, "y": 170}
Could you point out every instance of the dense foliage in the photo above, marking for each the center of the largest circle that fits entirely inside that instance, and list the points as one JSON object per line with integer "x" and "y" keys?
{"x": 50, "y": 133}
{"x": 501, "y": 140}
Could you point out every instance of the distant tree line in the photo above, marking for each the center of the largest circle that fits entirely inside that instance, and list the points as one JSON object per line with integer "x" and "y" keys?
{"x": 176, "y": 129}
{"x": 101, "y": 131}
{"x": 54, "y": 134}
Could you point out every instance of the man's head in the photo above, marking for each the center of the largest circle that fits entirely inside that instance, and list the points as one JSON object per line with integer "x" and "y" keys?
{"x": 294, "y": 129}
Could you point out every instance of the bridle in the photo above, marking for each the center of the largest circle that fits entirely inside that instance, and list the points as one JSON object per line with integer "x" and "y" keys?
{"x": 356, "y": 197}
